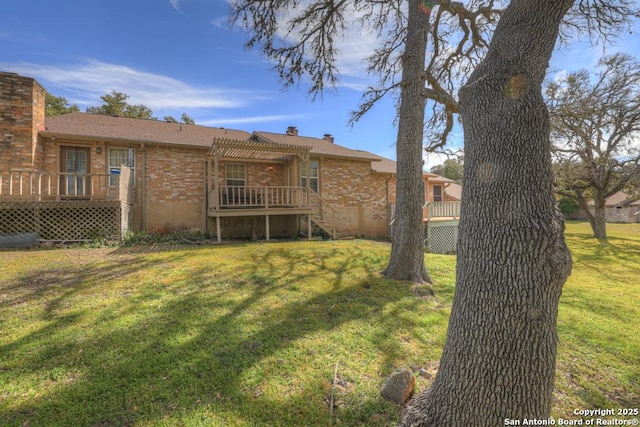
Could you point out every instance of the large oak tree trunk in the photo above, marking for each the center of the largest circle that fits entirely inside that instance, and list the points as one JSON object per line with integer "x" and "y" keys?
{"x": 407, "y": 251}
{"x": 599, "y": 223}
{"x": 597, "y": 218}
{"x": 498, "y": 362}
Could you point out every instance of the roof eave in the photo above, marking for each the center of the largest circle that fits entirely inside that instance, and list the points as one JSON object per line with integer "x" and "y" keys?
{"x": 77, "y": 137}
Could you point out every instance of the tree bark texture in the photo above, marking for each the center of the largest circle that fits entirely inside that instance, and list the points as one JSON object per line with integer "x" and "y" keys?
{"x": 498, "y": 362}
{"x": 407, "y": 251}
{"x": 599, "y": 222}
{"x": 597, "y": 219}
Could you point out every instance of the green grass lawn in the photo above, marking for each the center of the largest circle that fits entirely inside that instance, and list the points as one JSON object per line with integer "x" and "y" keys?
{"x": 252, "y": 334}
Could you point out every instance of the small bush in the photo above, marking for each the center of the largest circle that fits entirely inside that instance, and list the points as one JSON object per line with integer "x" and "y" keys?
{"x": 164, "y": 235}
{"x": 568, "y": 206}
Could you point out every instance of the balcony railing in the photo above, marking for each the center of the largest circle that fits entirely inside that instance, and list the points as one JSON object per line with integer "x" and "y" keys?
{"x": 441, "y": 210}
{"x": 32, "y": 185}
{"x": 231, "y": 197}
{"x": 431, "y": 210}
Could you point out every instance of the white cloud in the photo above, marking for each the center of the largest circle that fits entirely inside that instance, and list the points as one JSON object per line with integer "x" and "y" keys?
{"x": 222, "y": 23}
{"x": 176, "y": 5}
{"x": 252, "y": 119}
{"x": 86, "y": 82}
{"x": 433, "y": 159}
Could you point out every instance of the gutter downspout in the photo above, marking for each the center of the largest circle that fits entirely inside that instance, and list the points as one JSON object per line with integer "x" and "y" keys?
{"x": 143, "y": 190}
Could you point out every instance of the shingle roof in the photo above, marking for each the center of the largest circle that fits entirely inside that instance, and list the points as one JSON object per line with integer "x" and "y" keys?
{"x": 318, "y": 146}
{"x": 454, "y": 190}
{"x": 389, "y": 166}
{"x": 94, "y": 126}
{"x": 384, "y": 166}
{"x": 621, "y": 199}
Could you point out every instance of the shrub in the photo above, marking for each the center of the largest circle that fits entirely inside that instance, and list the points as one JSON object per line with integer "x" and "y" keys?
{"x": 568, "y": 206}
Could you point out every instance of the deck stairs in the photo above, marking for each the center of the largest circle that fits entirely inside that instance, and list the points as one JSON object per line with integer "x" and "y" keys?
{"x": 324, "y": 215}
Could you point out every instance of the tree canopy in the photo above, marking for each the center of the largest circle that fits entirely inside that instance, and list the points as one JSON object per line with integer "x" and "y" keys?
{"x": 451, "y": 168}
{"x": 115, "y": 104}
{"x": 595, "y": 130}
{"x": 185, "y": 118}
{"x": 58, "y": 105}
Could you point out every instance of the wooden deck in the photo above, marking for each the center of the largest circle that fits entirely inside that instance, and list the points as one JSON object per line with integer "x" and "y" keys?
{"x": 258, "y": 201}
{"x": 267, "y": 201}
{"x": 440, "y": 225}
{"x": 64, "y": 206}
{"x": 57, "y": 186}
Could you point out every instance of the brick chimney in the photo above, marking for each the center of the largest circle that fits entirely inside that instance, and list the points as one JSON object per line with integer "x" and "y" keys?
{"x": 22, "y": 102}
{"x": 328, "y": 137}
{"x": 292, "y": 131}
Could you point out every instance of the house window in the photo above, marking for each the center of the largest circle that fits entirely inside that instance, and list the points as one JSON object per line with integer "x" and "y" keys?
{"x": 75, "y": 167}
{"x": 236, "y": 175}
{"x": 313, "y": 176}
{"x": 117, "y": 158}
{"x": 437, "y": 193}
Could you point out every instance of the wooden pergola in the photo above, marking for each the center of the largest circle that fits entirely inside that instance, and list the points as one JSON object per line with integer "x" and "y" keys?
{"x": 253, "y": 150}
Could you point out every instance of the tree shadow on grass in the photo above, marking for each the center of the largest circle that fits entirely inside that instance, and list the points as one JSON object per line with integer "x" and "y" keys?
{"x": 616, "y": 251}
{"x": 599, "y": 316}
{"x": 260, "y": 351}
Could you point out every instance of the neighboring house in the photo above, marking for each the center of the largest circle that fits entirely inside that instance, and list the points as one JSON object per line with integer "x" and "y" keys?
{"x": 621, "y": 207}
{"x": 67, "y": 173}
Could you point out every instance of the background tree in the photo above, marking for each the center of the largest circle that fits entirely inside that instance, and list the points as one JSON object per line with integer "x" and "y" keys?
{"x": 595, "y": 122}
{"x": 185, "y": 119}
{"x": 58, "y": 105}
{"x": 451, "y": 168}
{"x": 115, "y": 104}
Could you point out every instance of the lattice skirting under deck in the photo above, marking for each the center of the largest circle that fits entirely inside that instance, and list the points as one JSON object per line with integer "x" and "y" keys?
{"x": 63, "y": 221}
{"x": 442, "y": 239}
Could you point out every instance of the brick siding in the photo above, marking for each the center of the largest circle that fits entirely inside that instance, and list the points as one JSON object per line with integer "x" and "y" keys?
{"x": 175, "y": 174}
{"x": 21, "y": 117}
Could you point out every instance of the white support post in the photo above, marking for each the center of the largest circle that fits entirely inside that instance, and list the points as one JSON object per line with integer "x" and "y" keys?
{"x": 216, "y": 190}
{"x": 218, "y": 234}
{"x": 266, "y": 224}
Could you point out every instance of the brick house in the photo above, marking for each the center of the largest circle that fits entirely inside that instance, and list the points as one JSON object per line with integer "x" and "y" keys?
{"x": 154, "y": 174}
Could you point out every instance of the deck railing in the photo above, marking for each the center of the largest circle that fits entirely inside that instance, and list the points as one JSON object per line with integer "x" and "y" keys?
{"x": 441, "y": 210}
{"x": 433, "y": 210}
{"x": 37, "y": 186}
{"x": 230, "y": 197}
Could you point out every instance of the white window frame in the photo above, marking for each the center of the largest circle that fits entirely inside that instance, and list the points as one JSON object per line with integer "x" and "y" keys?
{"x": 231, "y": 173}
{"x": 315, "y": 175}
{"x": 130, "y": 162}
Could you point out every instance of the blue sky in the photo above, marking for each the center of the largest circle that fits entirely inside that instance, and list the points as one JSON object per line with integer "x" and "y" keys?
{"x": 180, "y": 56}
